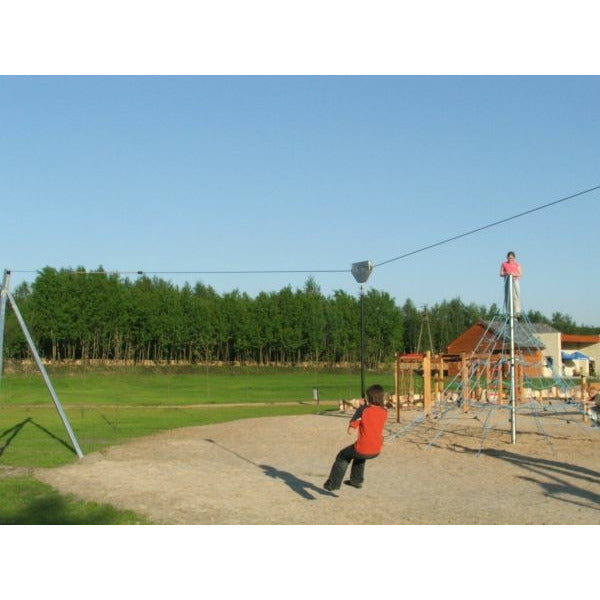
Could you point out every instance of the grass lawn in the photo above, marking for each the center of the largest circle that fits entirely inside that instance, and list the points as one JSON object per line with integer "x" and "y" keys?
{"x": 167, "y": 386}
{"x": 108, "y": 406}
{"x": 26, "y": 501}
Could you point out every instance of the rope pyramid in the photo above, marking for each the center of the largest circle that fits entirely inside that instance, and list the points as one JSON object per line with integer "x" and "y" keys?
{"x": 545, "y": 391}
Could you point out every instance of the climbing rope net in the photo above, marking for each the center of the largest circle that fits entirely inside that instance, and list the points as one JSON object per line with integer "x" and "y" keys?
{"x": 479, "y": 395}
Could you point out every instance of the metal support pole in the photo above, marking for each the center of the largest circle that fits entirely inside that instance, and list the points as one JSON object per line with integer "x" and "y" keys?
{"x": 361, "y": 272}
{"x": 316, "y": 396}
{"x": 513, "y": 399}
{"x": 42, "y": 369}
{"x": 3, "y": 291}
{"x": 362, "y": 342}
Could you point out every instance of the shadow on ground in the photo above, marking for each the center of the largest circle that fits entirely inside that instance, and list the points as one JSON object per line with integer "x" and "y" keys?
{"x": 556, "y": 479}
{"x": 296, "y": 484}
{"x": 27, "y": 501}
{"x": 11, "y": 433}
{"x": 301, "y": 487}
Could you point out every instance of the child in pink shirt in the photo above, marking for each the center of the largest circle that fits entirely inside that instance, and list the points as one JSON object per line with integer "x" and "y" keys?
{"x": 511, "y": 267}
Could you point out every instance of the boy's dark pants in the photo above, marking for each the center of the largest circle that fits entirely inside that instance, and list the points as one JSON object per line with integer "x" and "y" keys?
{"x": 357, "y": 471}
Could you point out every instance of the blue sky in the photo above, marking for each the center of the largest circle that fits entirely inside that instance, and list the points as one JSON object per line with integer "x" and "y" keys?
{"x": 200, "y": 173}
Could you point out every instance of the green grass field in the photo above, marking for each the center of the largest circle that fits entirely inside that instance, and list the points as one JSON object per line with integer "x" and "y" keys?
{"x": 167, "y": 386}
{"x": 107, "y": 407}
{"x": 26, "y": 501}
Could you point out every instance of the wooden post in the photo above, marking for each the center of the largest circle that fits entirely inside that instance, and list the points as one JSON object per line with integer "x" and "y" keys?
{"x": 465, "y": 381}
{"x": 441, "y": 376}
{"x": 397, "y": 386}
{"x": 585, "y": 392}
{"x": 487, "y": 380}
{"x": 427, "y": 384}
{"x": 477, "y": 374}
{"x": 411, "y": 386}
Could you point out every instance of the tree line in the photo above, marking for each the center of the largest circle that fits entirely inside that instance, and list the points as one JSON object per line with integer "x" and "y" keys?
{"x": 77, "y": 315}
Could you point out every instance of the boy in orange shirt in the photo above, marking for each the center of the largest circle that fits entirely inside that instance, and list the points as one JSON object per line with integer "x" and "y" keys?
{"x": 370, "y": 420}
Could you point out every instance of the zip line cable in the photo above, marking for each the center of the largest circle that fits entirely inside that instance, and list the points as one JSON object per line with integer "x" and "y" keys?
{"x": 380, "y": 264}
{"x": 456, "y": 237}
{"x": 245, "y": 272}
{"x": 250, "y": 272}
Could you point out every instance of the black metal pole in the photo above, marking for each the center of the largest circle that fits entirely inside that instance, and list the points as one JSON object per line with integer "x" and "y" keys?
{"x": 362, "y": 342}
{"x": 361, "y": 272}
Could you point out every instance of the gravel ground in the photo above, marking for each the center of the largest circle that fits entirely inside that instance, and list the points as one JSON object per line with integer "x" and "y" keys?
{"x": 271, "y": 471}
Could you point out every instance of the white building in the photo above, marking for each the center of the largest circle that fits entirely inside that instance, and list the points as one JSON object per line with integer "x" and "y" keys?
{"x": 571, "y": 354}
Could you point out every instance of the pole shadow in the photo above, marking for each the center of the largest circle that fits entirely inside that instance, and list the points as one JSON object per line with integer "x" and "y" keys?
{"x": 299, "y": 486}
{"x": 12, "y": 433}
{"x": 553, "y": 476}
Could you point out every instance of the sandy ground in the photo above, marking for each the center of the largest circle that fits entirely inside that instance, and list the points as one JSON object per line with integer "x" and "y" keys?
{"x": 271, "y": 471}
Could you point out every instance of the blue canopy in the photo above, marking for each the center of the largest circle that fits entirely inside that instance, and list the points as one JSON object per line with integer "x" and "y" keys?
{"x": 574, "y": 355}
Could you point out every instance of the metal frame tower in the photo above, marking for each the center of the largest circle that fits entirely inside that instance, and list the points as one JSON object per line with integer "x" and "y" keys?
{"x": 4, "y": 296}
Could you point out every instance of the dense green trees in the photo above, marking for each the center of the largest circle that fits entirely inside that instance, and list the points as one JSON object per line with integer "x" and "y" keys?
{"x": 76, "y": 315}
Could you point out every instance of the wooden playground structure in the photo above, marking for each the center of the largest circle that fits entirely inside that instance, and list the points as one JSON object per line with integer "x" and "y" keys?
{"x": 477, "y": 378}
